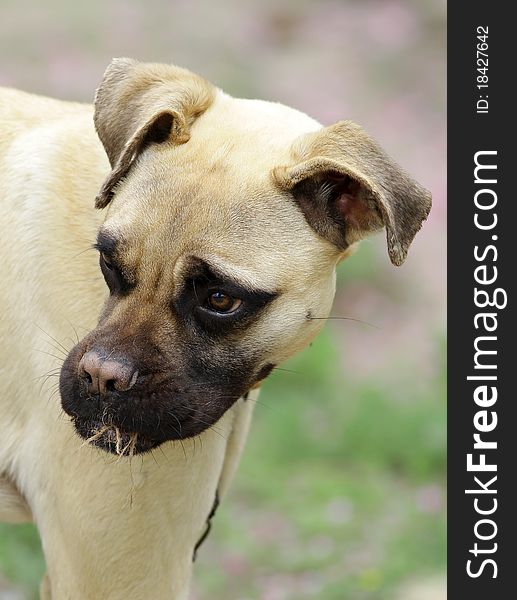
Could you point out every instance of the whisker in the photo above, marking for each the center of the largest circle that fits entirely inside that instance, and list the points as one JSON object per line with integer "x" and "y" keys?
{"x": 47, "y": 377}
{"x": 59, "y": 344}
{"x": 261, "y": 403}
{"x": 211, "y": 427}
{"x": 154, "y": 457}
{"x": 60, "y": 358}
{"x": 183, "y": 448}
{"x": 169, "y": 412}
{"x": 91, "y": 247}
{"x": 74, "y": 327}
{"x": 286, "y": 370}
{"x": 52, "y": 373}
{"x": 311, "y": 318}
{"x": 163, "y": 453}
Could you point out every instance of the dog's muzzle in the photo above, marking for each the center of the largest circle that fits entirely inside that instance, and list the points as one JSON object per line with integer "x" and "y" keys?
{"x": 108, "y": 379}
{"x": 128, "y": 409}
{"x": 130, "y": 389}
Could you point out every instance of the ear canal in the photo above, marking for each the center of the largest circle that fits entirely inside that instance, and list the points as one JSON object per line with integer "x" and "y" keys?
{"x": 138, "y": 104}
{"x": 347, "y": 187}
{"x": 160, "y": 129}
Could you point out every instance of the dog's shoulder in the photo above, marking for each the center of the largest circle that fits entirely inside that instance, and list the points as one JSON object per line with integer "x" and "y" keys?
{"x": 22, "y": 112}
{"x": 33, "y": 109}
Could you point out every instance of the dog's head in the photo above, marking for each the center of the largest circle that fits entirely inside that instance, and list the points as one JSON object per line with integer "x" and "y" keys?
{"x": 225, "y": 221}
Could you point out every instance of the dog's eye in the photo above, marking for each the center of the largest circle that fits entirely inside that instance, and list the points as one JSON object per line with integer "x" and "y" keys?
{"x": 222, "y": 303}
{"x": 117, "y": 279}
{"x": 107, "y": 261}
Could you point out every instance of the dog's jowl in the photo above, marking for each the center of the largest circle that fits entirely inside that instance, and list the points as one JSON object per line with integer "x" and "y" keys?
{"x": 182, "y": 238}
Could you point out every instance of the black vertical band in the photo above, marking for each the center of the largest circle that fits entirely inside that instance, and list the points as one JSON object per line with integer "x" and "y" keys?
{"x": 482, "y": 161}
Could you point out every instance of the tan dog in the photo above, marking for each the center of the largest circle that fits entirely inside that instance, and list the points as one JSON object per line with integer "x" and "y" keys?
{"x": 224, "y": 221}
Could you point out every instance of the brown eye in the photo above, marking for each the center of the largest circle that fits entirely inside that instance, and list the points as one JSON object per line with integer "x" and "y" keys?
{"x": 222, "y": 303}
{"x": 107, "y": 261}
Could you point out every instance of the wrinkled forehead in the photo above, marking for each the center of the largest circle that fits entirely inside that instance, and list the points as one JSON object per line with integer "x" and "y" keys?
{"x": 214, "y": 197}
{"x": 248, "y": 230}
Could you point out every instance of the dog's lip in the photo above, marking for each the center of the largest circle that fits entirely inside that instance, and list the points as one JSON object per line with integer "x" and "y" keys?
{"x": 114, "y": 439}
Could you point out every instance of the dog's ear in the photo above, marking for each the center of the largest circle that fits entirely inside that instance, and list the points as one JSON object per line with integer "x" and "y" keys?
{"x": 138, "y": 104}
{"x": 347, "y": 187}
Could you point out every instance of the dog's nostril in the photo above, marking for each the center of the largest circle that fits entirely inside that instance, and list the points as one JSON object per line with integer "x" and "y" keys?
{"x": 102, "y": 375}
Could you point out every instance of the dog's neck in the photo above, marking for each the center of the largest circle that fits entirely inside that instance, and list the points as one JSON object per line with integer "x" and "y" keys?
{"x": 143, "y": 516}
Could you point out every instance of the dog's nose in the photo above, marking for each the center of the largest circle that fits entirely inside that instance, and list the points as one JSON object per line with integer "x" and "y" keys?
{"x": 106, "y": 374}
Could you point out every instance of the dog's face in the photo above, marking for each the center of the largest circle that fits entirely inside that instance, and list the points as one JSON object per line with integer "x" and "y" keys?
{"x": 226, "y": 220}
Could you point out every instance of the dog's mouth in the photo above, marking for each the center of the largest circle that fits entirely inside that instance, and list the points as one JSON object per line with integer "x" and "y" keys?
{"x": 162, "y": 405}
{"x": 113, "y": 439}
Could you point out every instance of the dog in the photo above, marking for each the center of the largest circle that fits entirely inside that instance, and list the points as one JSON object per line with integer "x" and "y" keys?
{"x": 220, "y": 226}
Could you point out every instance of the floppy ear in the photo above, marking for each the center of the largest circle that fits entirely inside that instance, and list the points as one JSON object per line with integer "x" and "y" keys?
{"x": 347, "y": 187}
{"x": 138, "y": 104}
